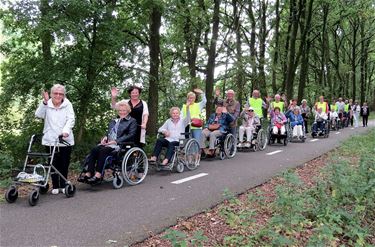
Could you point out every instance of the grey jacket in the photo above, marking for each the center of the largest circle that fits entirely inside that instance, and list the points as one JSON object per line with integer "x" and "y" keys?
{"x": 126, "y": 130}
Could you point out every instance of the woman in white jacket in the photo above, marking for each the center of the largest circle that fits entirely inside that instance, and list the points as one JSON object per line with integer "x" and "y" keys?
{"x": 59, "y": 119}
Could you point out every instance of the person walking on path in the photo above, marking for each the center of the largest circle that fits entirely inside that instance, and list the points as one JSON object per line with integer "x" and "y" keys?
{"x": 365, "y": 112}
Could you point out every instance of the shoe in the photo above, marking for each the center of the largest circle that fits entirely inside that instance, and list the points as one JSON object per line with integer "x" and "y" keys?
{"x": 94, "y": 180}
{"x": 55, "y": 191}
{"x": 247, "y": 144}
{"x": 82, "y": 178}
{"x": 62, "y": 190}
{"x": 239, "y": 145}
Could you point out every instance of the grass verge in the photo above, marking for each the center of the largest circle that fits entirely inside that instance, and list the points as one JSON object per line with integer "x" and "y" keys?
{"x": 330, "y": 201}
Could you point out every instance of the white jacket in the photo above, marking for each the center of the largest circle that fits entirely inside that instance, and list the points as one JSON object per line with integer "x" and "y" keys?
{"x": 56, "y": 121}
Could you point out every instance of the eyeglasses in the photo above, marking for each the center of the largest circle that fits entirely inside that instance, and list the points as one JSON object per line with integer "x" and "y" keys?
{"x": 59, "y": 94}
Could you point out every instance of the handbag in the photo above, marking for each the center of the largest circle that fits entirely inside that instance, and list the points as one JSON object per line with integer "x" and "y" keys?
{"x": 196, "y": 122}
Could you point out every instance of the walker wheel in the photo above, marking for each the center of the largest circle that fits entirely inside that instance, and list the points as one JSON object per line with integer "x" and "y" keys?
{"x": 179, "y": 167}
{"x": 70, "y": 190}
{"x": 33, "y": 197}
{"x": 11, "y": 194}
{"x": 44, "y": 190}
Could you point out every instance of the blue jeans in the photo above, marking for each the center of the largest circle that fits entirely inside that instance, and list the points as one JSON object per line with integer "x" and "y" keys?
{"x": 197, "y": 134}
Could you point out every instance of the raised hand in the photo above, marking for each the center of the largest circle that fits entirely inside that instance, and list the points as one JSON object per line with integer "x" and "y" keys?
{"x": 114, "y": 92}
{"x": 45, "y": 96}
{"x": 217, "y": 91}
{"x": 198, "y": 91}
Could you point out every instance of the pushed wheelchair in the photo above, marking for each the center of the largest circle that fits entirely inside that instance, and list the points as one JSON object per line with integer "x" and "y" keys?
{"x": 225, "y": 147}
{"x": 129, "y": 164}
{"x": 186, "y": 154}
{"x": 279, "y": 138}
{"x": 38, "y": 167}
{"x": 320, "y": 129}
{"x": 258, "y": 141}
{"x": 291, "y": 138}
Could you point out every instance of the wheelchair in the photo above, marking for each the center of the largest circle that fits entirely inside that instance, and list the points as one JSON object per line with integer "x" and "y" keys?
{"x": 38, "y": 167}
{"x": 258, "y": 141}
{"x": 129, "y": 164}
{"x": 335, "y": 122}
{"x": 187, "y": 153}
{"x": 281, "y": 138}
{"x": 299, "y": 139}
{"x": 225, "y": 146}
{"x": 321, "y": 132}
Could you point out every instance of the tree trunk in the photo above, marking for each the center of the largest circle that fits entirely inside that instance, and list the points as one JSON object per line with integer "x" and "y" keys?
{"x": 354, "y": 25}
{"x": 254, "y": 79}
{"x": 211, "y": 58}
{"x": 276, "y": 48}
{"x": 292, "y": 51}
{"x": 262, "y": 48}
{"x": 154, "y": 48}
{"x": 240, "y": 72}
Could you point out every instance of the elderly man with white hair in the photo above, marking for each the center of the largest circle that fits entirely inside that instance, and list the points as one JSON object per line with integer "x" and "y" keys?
{"x": 257, "y": 103}
{"x": 232, "y": 106}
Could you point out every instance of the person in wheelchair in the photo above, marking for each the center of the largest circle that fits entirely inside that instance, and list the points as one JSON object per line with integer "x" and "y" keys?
{"x": 172, "y": 130}
{"x": 250, "y": 121}
{"x": 121, "y": 130}
{"x": 278, "y": 121}
{"x": 296, "y": 123}
{"x": 216, "y": 126}
{"x": 319, "y": 122}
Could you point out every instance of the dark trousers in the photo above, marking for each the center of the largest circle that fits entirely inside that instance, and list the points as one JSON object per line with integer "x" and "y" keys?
{"x": 319, "y": 125}
{"x": 61, "y": 162}
{"x": 162, "y": 142}
{"x": 305, "y": 122}
{"x": 365, "y": 120}
{"x": 98, "y": 155}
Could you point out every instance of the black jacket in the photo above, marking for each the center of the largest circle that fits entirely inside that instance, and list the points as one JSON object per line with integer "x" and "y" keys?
{"x": 368, "y": 111}
{"x": 126, "y": 131}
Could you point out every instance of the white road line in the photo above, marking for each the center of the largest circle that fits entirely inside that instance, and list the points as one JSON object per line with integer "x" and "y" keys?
{"x": 274, "y": 152}
{"x": 314, "y": 140}
{"x": 338, "y": 132}
{"x": 189, "y": 178}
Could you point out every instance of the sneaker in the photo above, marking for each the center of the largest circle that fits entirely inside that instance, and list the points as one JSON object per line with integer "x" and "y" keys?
{"x": 55, "y": 191}
{"x": 247, "y": 144}
{"x": 62, "y": 190}
{"x": 239, "y": 145}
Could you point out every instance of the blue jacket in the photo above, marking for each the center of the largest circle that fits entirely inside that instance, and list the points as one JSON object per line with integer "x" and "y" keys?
{"x": 224, "y": 121}
{"x": 295, "y": 119}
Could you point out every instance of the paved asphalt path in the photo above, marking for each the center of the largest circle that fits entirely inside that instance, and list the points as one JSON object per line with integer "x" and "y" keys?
{"x": 101, "y": 216}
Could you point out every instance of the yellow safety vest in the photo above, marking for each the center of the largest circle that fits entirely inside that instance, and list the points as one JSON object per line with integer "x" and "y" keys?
{"x": 257, "y": 105}
{"x": 333, "y": 107}
{"x": 194, "y": 112}
{"x": 322, "y": 105}
{"x": 346, "y": 108}
{"x": 279, "y": 104}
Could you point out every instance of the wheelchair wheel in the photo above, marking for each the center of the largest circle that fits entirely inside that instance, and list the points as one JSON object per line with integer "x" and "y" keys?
{"x": 179, "y": 166}
{"x": 70, "y": 190}
{"x": 33, "y": 197}
{"x": 134, "y": 166}
{"x": 222, "y": 155}
{"x": 11, "y": 194}
{"x": 262, "y": 140}
{"x": 118, "y": 181}
{"x": 230, "y": 147}
{"x": 192, "y": 154}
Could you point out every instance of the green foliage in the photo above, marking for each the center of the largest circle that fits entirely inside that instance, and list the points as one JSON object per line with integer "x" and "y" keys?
{"x": 180, "y": 239}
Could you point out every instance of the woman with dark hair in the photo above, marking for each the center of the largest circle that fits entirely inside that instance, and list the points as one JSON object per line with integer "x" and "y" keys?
{"x": 139, "y": 111}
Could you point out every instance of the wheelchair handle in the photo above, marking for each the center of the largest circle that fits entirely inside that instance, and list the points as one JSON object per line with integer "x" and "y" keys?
{"x": 62, "y": 141}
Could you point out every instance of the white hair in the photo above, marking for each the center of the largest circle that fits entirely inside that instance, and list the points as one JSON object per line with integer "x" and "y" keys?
{"x": 123, "y": 103}
{"x": 56, "y": 87}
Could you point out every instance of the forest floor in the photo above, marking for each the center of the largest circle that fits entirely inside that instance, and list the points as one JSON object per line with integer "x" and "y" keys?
{"x": 329, "y": 201}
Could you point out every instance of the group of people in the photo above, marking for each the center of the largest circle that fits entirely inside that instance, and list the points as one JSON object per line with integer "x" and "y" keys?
{"x": 132, "y": 117}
